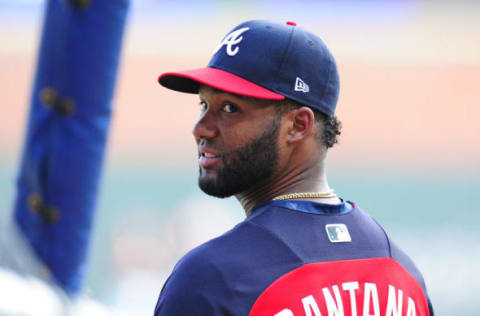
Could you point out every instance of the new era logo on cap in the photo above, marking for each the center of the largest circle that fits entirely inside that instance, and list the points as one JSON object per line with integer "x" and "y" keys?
{"x": 300, "y": 85}
{"x": 338, "y": 233}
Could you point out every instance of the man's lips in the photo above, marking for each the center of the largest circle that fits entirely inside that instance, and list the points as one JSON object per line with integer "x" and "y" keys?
{"x": 208, "y": 158}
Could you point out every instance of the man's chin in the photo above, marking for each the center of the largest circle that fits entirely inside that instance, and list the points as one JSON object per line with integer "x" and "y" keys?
{"x": 211, "y": 188}
{"x": 209, "y": 184}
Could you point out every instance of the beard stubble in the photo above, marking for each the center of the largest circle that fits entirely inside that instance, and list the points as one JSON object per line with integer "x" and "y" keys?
{"x": 245, "y": 167}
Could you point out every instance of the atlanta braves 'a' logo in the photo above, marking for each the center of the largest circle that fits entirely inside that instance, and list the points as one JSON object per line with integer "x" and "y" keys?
{"x": 232, "y": 39}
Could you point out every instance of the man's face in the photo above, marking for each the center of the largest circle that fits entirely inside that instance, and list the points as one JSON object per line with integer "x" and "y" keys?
{"x": 237, "y": 142}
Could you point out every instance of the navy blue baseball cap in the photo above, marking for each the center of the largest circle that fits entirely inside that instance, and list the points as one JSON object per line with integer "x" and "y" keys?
{"x": 267, "y": 60}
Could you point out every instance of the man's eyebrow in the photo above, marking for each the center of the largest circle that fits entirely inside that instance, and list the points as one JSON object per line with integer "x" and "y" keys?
{"x": 258, "y": 101}
{"x": 217, "y": 91}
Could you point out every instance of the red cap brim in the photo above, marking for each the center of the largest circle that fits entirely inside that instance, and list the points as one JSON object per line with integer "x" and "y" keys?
{"x": 189, "y": 81}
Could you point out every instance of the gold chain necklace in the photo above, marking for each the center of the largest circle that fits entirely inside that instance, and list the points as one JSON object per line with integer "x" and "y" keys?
{"x": 305, "y": 195}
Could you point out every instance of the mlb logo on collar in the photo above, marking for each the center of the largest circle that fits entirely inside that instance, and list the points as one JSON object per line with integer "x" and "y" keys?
{"x": 338, "y": 233}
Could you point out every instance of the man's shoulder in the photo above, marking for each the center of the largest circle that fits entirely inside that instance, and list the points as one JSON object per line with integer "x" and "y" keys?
{"x": 207, "y": 278}
{"x": 195, "y": 279}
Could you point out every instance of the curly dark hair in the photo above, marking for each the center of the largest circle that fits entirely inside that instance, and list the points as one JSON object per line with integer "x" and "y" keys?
{"x": 330, "y": 125}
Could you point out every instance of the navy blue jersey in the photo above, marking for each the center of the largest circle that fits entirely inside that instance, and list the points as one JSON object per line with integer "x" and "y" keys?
{"x": 291, "y": 258}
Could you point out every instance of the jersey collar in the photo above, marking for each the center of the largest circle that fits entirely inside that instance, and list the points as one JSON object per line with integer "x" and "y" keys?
{"x": 309, "y": 207}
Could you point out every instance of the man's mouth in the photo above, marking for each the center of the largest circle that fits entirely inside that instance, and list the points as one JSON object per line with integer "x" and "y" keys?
{"x": 208, "y": 155}
{"x": 208, "y": 159}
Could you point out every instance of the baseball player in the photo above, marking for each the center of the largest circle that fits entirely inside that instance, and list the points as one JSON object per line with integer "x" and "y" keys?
{"x": 267, "y": 101}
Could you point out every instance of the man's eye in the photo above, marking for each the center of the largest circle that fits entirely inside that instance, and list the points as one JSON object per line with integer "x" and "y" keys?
{"x": 230, "y": 108}
{"x": 203, "y": 106}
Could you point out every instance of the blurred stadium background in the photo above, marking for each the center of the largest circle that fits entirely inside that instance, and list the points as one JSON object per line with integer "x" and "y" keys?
{"x": 409, "y": 153}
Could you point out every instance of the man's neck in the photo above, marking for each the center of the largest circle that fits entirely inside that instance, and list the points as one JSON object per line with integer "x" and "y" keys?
{"x": 312, "y": 179}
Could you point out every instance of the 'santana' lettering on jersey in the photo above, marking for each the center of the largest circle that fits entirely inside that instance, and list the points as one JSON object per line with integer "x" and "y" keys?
{"x": 361, "y": 287}
{"x": 371, "y": 303}
{"x": 232, "y": 39}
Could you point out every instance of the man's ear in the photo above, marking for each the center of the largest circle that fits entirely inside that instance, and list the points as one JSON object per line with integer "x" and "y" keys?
{"x": 302, "y": 124}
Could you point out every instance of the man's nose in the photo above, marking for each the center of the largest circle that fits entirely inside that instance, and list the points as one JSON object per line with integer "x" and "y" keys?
{"x": 205, "y": 127}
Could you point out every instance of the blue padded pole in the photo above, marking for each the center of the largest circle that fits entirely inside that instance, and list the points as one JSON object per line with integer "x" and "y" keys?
{"x": 67, "y": 129}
